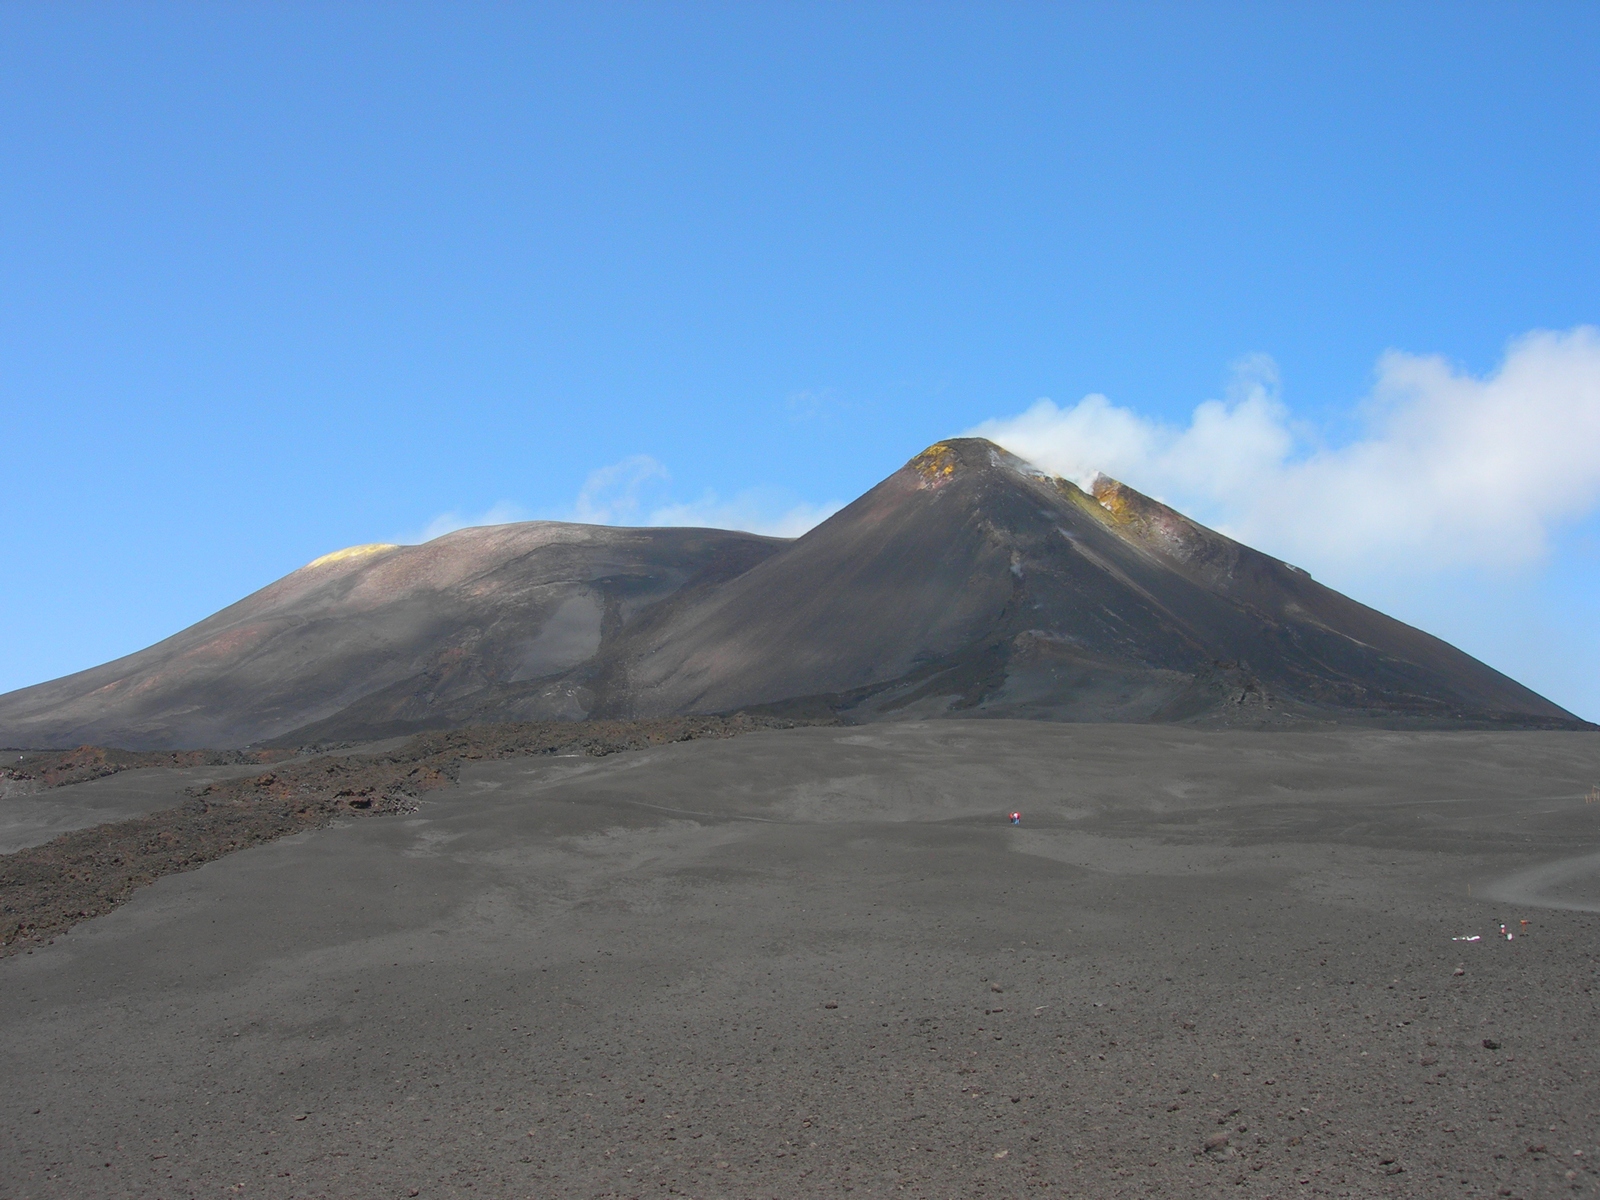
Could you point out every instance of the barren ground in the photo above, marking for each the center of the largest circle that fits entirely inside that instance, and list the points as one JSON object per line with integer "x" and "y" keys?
{"x": 820, "y": 961}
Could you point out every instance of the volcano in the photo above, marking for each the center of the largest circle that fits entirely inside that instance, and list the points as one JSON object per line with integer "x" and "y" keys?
{"x": 415, "y": 632}
{"x": 967, "y": 583}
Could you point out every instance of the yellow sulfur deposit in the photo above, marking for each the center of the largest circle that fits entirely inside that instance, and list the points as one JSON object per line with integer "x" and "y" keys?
{"x": 352, "y": 552}
{"x": 935, "y": 464}
{"x": 1113, "y": 497}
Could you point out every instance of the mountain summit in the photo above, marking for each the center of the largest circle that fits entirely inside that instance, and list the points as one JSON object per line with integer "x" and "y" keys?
{"x": 970, "y": 580}
{"x": 967, "y": 582}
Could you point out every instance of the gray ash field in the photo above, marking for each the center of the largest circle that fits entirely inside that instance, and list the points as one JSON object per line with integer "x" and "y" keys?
{"x": 819, "y": 961}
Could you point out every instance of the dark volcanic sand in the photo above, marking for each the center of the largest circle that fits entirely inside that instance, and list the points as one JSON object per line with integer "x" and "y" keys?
{"x": 105, "y": 848}
{"x": 613, "y": 978}
{"x": 29, "y": 817}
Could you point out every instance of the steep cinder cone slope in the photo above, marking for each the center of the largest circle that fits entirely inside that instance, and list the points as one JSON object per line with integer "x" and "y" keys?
{"x": 405, "y": 631}
{"x": 969, "y": 580}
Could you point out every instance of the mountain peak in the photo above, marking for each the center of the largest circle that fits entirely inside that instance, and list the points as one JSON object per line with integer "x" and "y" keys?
{"x": 1135, "y": 515}
{"x": 944, "y": 461}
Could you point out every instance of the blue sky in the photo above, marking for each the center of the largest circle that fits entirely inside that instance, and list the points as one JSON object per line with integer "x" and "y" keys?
{"x": 276, "y": 279}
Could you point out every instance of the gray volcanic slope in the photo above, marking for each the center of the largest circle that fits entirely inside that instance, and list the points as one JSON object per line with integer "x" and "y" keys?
{"x": 967, "y": 582}
{"x": 473, "y": 610}
{"x": 971, "y": 581}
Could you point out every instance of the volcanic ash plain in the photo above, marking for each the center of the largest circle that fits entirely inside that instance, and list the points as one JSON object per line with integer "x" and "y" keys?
{"x": 821, "y": 961}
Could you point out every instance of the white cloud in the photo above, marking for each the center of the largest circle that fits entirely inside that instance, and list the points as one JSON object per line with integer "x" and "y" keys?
{"x": 757, "y": 511}
{"x": 633, "y": 492}
{"x": 612, "y": 495}
{"x": 811, "y": 404}
{"x": 502, "y": 513}
{"x": 1449, "y": 471}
